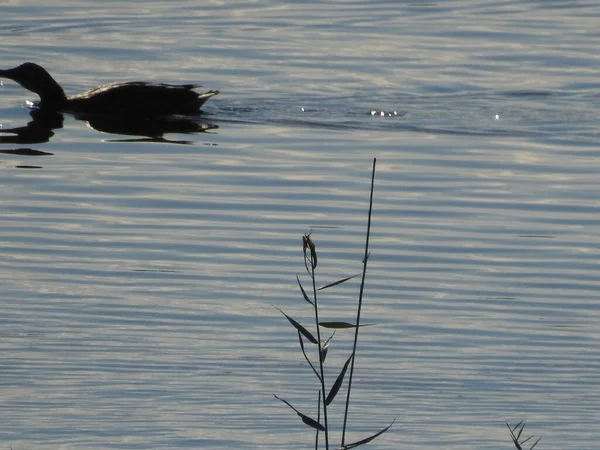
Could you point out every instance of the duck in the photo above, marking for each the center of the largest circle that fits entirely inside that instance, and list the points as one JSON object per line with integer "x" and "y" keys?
{"x": 125, "y": 99}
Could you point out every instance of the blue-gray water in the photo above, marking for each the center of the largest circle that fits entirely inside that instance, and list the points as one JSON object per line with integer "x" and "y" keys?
{"x": 138, "y": 278}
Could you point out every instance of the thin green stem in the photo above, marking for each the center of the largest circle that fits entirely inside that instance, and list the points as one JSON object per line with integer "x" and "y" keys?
{"x": 321, "y": 369}
{"x": 360, "y": 299}
{"x": 319, "y": 421}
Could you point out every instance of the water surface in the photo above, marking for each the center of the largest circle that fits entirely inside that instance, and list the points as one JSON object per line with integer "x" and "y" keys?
{"x": 139, "y": 277}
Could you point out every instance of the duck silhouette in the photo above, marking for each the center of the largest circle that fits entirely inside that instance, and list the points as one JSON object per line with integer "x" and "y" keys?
{"x": 129, "y": 99}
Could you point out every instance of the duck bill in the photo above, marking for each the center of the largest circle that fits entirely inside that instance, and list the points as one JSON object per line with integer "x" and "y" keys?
{"x": 7, "y": 74}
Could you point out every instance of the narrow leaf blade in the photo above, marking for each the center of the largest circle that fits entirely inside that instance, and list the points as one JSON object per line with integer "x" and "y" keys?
{"x": 301, "y": 341}
{"x": 536, "y": 443}
{"x": 307, "y": 358}
{"x": 512, "y": 435}
{"x": 367, "y": 440}
{"x": 307, "y": 334}
{"x": 325, "y": 347}
{"x": 516, "y": 438}
{"x": 338, "y": 383}
{"x": 304, "y": 292}
{"x": 335, "y": 283}
{"x": 343, "y": 325}
{"x": 307, "y": 420}
{"x": 311, "y": 422}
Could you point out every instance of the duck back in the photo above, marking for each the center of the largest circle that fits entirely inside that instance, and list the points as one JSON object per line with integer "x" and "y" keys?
{"x": 139, "y": 99}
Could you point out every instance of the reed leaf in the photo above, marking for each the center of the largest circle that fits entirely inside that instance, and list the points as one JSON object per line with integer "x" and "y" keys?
{"x": 325, "y": 347}
{"x": 301, "y": 343}
{"x": 516, "y": 438}
{"x": 367, "y": 440}
{"x": 338, "y": 383}
{"x": 306, "y": 356}
{"x": 307, "y": 334}
{"x": 342, "y": 325}
{"x": 304, "y": 292}
{"x": 335, "y": 283}
{"x": 307, "y": 420}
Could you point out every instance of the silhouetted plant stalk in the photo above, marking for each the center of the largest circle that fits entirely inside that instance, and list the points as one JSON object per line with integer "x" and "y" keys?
{"x": 325, "y": 398}
{"x": 359, "y": 308}
{"x": 516, "y": 438}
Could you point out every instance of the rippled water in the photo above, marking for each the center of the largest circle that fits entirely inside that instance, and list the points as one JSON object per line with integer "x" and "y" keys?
{"x": 139, "y": 277}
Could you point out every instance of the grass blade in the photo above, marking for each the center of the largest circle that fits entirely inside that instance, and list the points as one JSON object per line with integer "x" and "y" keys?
{"x": 325, "y": 347}
{"x": 306, "y": 356}
{"x": 520, "y": 427}
{"x": 307, "y": 420}
{"x": 367, "y": 440}
{"x": 342, "y": 325}
{"x": 536, "y": 443}
{"x": 515, "y": 439}
{"x": 304, "y": 292}
{"x": 338, "y": 383}
{"x": 307, "y": 334}
{"x": 335, "y": 283}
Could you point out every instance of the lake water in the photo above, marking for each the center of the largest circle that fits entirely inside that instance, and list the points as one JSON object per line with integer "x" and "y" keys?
{"x": 139, "y": 276}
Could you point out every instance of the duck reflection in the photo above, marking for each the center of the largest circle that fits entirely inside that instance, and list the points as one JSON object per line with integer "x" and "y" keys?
{"x": 39, "y": 130}
{"x": 149, "y": 129}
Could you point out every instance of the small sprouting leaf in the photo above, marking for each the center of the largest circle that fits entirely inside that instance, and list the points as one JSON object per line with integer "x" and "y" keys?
{"x": 301, "y": 341}
{"x": 325, "y": 347}
{"x": 342, "y": 325}
{"x": 338, "y": 383}
{"x": 306, "y": 356}
{"x": 367, "y": 440}
{"x": 304, "y": 292}
{"x": 307, "y": 334}
{"x": 335, "y": 283}
{"x": 307, "y": 420}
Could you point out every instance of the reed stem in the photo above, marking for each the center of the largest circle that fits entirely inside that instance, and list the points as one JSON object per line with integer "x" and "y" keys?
{"x": 319, "y": 345}
{"x": 360, "y": 300}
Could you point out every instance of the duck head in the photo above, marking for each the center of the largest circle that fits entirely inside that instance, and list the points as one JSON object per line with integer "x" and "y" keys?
{"x": 36, "y": 79}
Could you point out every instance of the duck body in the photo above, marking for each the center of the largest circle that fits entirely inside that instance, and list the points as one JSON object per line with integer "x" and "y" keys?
{"x": 139, "y": 98}
{"x": 130, "y": 99}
